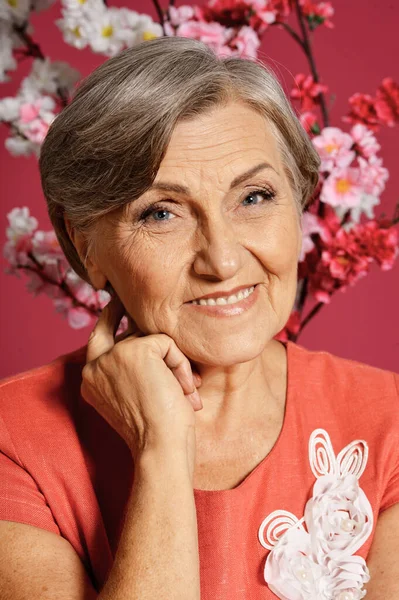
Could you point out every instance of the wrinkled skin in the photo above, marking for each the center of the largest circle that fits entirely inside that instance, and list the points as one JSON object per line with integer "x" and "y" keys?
{"x": 213, "y": 239}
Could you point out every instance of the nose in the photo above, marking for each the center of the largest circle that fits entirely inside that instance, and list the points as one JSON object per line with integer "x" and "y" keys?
{"x": 219, "y": 250}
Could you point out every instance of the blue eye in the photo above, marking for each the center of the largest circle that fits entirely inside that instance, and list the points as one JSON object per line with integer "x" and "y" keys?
{"x": 153, "y": 210}
{"x": 264, "y": 192}
{"x": 158, "y": 211}
{"x": 267, "y": 194}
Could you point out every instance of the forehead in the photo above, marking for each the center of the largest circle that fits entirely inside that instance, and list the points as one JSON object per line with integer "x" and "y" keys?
{"x": 228, "y": 139}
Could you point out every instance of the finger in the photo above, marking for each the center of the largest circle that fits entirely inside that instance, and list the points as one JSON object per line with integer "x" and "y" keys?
{"x": 177, "y": 362}
{"x": 197, "y": 379}
{"x": 101, "y": 339}
{"x": 196, "y": 375}
{"x": 195, "y": 400}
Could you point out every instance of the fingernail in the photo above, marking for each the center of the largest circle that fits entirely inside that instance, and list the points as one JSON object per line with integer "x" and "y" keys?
{"x": 197, "y": 398}
{"x": 197, "y": 379}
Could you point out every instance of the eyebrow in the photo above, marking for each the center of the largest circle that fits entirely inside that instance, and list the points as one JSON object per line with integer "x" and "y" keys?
{"x": 182, "y": 189}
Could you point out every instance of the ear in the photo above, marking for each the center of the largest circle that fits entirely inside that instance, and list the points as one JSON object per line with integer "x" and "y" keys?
{"x": 97, "y": 278}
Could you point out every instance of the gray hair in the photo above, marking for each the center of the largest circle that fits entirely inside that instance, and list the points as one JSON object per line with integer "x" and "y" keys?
{"x": 104, "y": 149}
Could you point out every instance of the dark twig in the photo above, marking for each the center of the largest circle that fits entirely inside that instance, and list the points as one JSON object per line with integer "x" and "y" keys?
{"x": 65, "y": 288}
{"x": 160, "y": 15}
{"x": 308, "y": 51}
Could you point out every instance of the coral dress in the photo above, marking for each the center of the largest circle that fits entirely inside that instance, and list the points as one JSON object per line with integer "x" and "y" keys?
{"x": 64, "y": 469}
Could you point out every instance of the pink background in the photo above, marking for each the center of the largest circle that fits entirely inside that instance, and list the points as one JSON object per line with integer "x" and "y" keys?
{"x": 363, "y": 323}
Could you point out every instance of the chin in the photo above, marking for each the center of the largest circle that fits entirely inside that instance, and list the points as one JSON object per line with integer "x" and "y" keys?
{"x": 229, "y": 353}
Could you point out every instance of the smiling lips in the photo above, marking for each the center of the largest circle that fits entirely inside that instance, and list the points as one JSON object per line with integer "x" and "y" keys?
{"x": 225, "y": 293}
{"x": 217, "y": 299}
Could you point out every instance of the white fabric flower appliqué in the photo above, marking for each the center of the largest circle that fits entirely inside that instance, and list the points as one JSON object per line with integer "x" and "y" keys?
{"x": 318, "y": 562}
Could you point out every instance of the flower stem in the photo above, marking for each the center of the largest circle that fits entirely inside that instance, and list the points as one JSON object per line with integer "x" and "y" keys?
{"x": 310, "y": 316}
{"x": 312, "y": 63}
{"x": 62, "y": 285}
{"x": 160, "y": 15}
{"x": 34, "y": 50}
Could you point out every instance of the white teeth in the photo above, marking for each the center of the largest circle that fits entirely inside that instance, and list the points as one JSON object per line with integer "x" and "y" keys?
{"x": 225, "y": 300}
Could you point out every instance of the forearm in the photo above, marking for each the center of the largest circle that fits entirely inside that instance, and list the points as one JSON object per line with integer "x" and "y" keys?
{"x": 157, "y": 555}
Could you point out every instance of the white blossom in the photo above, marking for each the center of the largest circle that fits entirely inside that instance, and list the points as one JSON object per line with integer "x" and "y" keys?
{"x": 74, "y": 31}
{"x": 17, "y": 11}
{"x": 9, "y": 109}
{"x": 18, "y": 146}
{"x": 20, "y": 223}
{"x": 47, "y": 77}
{"x": 106, "y": 30}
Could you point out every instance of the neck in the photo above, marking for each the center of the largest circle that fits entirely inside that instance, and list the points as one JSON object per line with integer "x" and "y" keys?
{"x": 241, "y": 393}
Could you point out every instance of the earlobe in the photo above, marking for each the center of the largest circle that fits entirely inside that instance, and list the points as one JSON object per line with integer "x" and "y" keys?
{"x": 97, "y": 279}
{"x": 77, "y": 240}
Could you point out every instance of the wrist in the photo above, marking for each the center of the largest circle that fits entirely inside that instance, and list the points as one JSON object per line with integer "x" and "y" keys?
{"x": 163, "y": 462}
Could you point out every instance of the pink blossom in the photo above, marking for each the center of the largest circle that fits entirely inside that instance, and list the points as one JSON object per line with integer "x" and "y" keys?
{"x": 373, "y": 175}
{"x": 37, "y": 131}
{"x": 363, "y": 111}
{"x": 343, "y": 187}
{"x": 46, "y": 243}
{"x": 310, "y": 225}
{"x": 307, "y": 91}
{"x": 379, "y": 240}
{"x": 334, "y": 147}
{"x": 308, "y": 120}
{"x": 246, "y": 41}
{"x": 181, "y": 14}
{"x": 212, "y": 34}
{"x": 78, "y": 318}
{"x": 54, "y": 269}
{"x": 282, "y": 8}
{"x": 346, "y": 255}
{"x": 38, "y": 285}
{"x": 16, "y": 252}
{"x": 319, "y": 13}
{"x": 264, "y": 16}
{"x": 28, "y": 112}
{"x": 387, "y": 102}
{"x": 229, "y": 13}
{"x": 85, "y": 293}
{"x": 365, "y": 141}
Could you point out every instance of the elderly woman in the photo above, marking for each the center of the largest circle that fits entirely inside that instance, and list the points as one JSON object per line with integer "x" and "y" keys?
{"x": 193, "y": 456}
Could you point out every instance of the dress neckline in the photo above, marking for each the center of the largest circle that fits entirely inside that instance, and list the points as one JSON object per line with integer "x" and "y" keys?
{"x": 290, "y": 350}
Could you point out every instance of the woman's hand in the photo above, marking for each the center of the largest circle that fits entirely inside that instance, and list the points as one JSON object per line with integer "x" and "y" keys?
{"x": 142, "y": 386}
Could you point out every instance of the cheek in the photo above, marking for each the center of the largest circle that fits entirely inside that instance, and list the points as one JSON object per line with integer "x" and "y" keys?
{"x": 277, "y": 248}
{"x": 148, "y": 280}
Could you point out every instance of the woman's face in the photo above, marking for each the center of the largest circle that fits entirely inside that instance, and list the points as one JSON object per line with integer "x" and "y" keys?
{"x": 209, "y": 238}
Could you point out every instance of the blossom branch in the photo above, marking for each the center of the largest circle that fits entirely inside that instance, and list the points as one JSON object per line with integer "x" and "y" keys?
{"x": 160, "y": 15}
{"x": 35, "y": 51}
{"x": 292, "y": 33}
{"x": 308, "y": 51}
{"x": 310, "y": 316}
{"x": 60, "y": 284}
{"x": 33, "y": 48}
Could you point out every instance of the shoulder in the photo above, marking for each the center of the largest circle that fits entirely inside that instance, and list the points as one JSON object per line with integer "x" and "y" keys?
{"x": 42, "y": 394}
{"x": 350, "y": 399}
{"x": 53, "y": 372}
{"x": 339, "y": 376}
